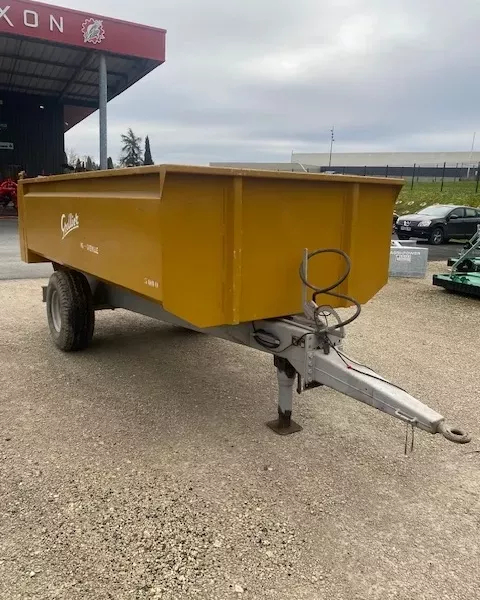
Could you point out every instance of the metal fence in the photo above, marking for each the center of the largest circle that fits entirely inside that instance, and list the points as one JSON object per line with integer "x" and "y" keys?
{"x": 458, "y": 171}
{"x": 441, "y": 174}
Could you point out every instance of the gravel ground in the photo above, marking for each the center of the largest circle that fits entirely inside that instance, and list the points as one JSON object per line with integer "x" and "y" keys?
{"x": 143, "y": 469}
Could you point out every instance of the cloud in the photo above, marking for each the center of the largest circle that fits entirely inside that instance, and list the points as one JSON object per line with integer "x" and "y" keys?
{"x": 249, "y": 80}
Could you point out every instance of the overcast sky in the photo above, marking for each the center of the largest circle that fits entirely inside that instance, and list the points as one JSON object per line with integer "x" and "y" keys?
{"x": 253, "y": 80}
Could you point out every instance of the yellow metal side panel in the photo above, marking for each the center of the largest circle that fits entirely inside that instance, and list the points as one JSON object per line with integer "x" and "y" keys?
{"x": 233, "y": 248}
{"x": 25, "y": 254}
{"x": 200, "y": 262}
{"x": 281, "y": 218}
{"x": 21, "y": 224}
{"x": 118, "y": 233}
{"x": 370, "y": 240}
{"x": 351, "y": 238}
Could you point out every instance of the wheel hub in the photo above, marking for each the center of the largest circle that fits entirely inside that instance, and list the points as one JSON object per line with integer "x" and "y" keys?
{"x": 56, "y": 314}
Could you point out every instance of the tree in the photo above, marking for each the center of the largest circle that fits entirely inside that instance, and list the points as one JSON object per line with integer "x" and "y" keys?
{"x": 72, "y": 156}
{"x": 89, "y": 164}
{"x": 69, "y": 160}
{"x": 110, "y": 163}
{"x": 65, "y": 166}
{"x": 148, "y": 160}
{"x": 131, "y": 150}
{"x": 78, "y": 166}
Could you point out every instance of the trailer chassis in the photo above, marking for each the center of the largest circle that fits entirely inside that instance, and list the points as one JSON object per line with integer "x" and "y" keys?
{"x": 307, "y": 350}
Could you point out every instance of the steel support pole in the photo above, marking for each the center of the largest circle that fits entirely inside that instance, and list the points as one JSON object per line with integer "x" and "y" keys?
{"x": 102, "y": 101}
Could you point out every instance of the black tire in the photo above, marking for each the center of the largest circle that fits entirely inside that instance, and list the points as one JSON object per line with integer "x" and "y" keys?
{"x": 70, "y": 313}
{"x": 437, "y": 236}
{"x": 403, "y": 237}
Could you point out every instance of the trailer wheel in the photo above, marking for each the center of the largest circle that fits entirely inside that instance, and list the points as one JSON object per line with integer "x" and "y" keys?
{"x": 70, "y": 313}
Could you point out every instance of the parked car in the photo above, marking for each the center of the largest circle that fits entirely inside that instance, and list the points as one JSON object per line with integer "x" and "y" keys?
{"x": 439, "y": 223}
{"x": 395, "y": 219}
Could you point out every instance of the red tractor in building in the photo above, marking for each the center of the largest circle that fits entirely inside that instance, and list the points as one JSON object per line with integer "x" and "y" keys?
{"x": 8, "y": 193}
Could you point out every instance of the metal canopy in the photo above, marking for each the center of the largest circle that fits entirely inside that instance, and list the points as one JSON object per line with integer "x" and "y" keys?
{"x": 76, "y": 59}
{"x": 66, "y": 74}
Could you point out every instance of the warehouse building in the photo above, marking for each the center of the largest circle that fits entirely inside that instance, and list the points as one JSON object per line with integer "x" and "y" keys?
{"x": 392, "y": 159}
{"x": 421, "y": 165}
{"x": 425, "y": 165}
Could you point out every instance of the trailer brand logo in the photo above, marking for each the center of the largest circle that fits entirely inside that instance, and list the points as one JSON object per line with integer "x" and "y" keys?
{"x": 69, "y": 223}
{"x": 93, "y": 31}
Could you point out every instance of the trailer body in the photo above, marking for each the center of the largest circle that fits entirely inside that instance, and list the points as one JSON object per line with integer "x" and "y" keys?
{"x": 213, "y": 246}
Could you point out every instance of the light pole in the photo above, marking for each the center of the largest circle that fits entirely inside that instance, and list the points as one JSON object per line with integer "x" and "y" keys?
{"x": 102, "y": 102}
{"x": 471, "y": 153}
{"x": 332, "y": 139}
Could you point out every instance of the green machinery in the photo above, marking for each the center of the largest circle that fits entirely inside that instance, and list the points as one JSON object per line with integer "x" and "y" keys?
{"x": 464, "y": 277}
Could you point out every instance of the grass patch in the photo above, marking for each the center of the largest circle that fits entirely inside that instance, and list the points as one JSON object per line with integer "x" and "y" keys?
{"x": 426, "y": 194}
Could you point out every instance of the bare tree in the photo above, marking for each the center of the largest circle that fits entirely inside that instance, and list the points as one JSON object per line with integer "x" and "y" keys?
{"x": 72, "y": 156}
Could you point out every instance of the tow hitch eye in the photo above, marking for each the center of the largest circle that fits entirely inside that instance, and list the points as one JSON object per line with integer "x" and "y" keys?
{"x": 454, "y": 434}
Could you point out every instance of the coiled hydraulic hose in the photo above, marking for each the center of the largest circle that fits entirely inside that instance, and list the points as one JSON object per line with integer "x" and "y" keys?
{"x": 328, "y": 290}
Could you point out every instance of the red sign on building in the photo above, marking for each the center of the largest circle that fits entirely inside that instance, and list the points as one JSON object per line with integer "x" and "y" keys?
{"x": 74, "y": 28}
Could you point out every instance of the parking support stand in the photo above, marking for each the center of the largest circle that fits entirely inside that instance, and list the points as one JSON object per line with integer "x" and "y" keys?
{"x": 286, "y": 379}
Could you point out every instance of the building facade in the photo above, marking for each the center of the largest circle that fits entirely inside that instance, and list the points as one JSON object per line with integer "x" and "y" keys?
{"x": 391, "y": 159}
{"x": 420, "y": 165}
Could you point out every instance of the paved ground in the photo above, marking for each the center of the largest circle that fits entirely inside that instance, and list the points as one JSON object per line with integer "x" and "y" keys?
{"x": 142, "y": 468}
{"x": 11, "y": 267}
{"x": 440, "y": 253}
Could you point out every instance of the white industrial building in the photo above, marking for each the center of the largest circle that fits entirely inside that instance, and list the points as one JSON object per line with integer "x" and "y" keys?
{"x": 422, "y": 165}
{"x": 391, "y": 159}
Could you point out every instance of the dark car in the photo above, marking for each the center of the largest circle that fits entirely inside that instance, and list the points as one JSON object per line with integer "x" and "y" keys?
{"x": 395, "y": 219}
{"x": 439, "y": 223}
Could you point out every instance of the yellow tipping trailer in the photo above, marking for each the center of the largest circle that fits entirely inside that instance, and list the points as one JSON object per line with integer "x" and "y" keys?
{"x": 213, "y": 246}
{"x": 228, "y": 252}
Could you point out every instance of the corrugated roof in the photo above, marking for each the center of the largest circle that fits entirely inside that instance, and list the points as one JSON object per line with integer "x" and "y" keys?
{"x": 66, "y": 74}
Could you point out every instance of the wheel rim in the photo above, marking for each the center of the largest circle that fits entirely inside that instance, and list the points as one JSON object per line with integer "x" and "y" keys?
{"x": 55, "y": 308}
{"x": 437, "y": 236}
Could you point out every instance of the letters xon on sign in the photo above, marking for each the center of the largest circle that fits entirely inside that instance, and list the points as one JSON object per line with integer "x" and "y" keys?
{"x": 73, "y": 28}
